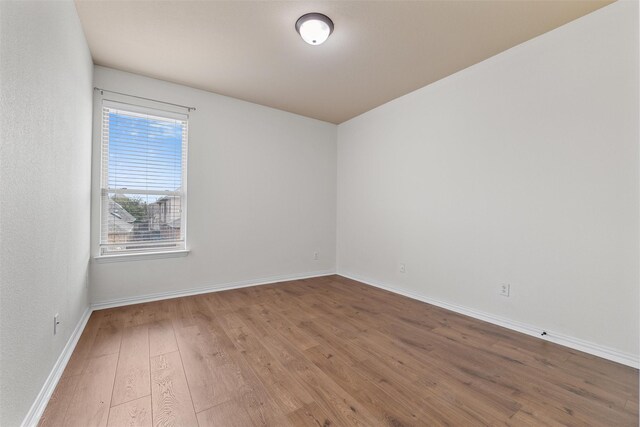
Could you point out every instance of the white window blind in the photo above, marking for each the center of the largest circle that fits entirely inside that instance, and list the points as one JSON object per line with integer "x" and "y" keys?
{"x": 143, "y": 182}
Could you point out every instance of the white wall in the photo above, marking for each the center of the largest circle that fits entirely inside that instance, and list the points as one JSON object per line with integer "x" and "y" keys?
{"x": 261, "y": 195}
{"x": 522, "y": 169}
{"x": 45, "y": 158}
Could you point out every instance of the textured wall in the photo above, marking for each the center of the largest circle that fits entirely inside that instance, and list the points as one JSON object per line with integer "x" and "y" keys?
{"x": 261, "y": 194}
{"x": 45, "y": 159}
{"x": 522, "y": 169}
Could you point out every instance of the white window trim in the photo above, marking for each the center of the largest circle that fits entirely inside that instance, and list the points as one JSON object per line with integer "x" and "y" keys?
{"x": 140, "y": 256}
{"x": 98, "y": 131}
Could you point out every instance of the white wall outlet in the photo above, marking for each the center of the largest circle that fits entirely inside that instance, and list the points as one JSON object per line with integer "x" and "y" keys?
{"x": 315, "y": 255}
{"x": 403, "y": 269}
{"x": 56, "y": 322}
{"x": 505, "y": 289}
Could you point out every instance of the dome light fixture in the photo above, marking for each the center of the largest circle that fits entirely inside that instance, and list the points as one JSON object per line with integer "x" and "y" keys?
{"x": 314, "y": 28}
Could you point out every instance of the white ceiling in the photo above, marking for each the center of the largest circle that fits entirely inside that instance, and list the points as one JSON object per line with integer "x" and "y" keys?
{"x": 249, "y": 50}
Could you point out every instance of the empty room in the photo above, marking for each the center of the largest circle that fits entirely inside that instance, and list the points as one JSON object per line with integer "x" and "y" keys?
{"x": 319, "y": 213}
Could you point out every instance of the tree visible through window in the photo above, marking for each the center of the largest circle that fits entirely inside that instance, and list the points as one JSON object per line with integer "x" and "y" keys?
{"x": 143, "y": 180}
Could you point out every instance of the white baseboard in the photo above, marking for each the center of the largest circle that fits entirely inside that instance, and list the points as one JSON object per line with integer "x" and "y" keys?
{"x": 558, "y": 338}
{"x": 206, "y": 289}
{"x": 39, "y": 405}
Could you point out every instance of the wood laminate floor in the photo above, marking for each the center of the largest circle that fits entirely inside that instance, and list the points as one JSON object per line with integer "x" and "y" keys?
{"x": 326, "y": 352}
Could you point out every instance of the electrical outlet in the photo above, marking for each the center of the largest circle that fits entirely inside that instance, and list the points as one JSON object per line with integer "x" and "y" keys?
{"x": 505, "y": 290}
{"x": 56, "y": 322}
{"x": 403, "y": 269}
{"x": 315, "y": 255}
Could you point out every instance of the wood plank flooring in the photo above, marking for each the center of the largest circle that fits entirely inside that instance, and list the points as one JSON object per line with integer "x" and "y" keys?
{"x": 326, "y": 352}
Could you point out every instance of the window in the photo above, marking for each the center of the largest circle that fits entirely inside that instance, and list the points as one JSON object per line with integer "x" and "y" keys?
{"x": 143, "y": 180}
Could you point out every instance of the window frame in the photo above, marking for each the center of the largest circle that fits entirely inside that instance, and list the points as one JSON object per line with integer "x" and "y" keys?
{"x": 102, "y": 187}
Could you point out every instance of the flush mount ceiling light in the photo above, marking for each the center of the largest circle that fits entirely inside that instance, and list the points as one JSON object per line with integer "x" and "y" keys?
{"x": 314, "y": 28}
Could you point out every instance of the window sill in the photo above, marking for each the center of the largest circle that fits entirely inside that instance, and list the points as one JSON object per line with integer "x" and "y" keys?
{"x": 140, "y": 257}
